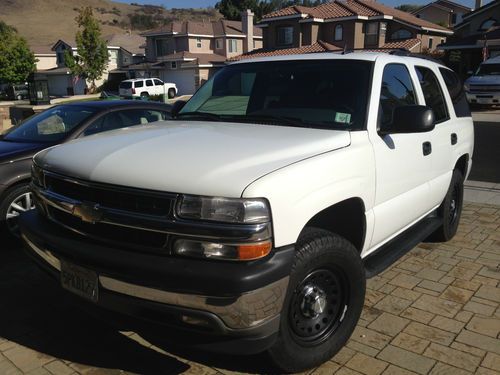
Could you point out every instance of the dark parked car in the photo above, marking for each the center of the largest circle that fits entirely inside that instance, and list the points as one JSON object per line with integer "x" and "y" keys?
{"x": 56, "y": 125}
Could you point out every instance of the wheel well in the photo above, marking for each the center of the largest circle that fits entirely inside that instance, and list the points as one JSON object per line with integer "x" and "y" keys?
{"x": 462, "y": 163}
{"x": 346, "y": 218}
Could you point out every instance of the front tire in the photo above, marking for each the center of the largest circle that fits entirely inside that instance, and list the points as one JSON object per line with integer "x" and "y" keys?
{"x": 451, "y": 209}
{"x": 18, "y": 199}
{"x": 324, "y": 301}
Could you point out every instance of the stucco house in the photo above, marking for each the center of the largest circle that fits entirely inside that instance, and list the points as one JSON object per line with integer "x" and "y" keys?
{"x": 123, "y": 50}
{"x": 442, "y": 12}
{"x": 188, "y": 53}
{"x": 350, "y": 25}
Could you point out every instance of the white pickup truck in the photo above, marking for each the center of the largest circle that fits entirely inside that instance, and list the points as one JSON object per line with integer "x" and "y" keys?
{"x": 146, "y": 87}
{"x": 250, "y": 222}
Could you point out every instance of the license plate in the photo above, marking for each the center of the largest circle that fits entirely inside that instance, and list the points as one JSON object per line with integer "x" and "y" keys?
{"x": 80, "y": 281}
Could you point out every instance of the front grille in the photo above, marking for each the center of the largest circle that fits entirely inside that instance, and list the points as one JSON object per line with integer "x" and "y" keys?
{"x": 123, "y": 236}
{"x": 111, "y": 197}
{"x": 485, "y": 88}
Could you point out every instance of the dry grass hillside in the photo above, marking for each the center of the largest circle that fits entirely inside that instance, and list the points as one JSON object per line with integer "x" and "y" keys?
{"x": 43, "y": 22}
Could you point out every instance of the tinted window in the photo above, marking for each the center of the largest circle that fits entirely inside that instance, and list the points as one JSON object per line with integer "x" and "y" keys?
{"x": 397, "y": 91}
{"x": 149, "y": 82}
{"x": 457, "y": 94}
{"x": 121, "y": 119}
{"x": 158, "y": 82}
{"x": 323, "y": 93}
{"x": 52, "y": 125}
{"x": 432, "y": 93}
{"x": 138, "y": 83}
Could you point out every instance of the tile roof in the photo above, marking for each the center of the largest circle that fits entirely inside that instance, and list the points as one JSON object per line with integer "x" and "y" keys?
{"x": 320, "y": 46}
{"x": 346, "y": 8}
{"x": 42, "y": 49}
{"x": 130, "y": 42}
{"x": 407, "y": 44}
{"x": 221, "y": 27}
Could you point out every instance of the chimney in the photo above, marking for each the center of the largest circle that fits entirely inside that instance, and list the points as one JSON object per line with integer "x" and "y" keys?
{"x": 479, "y": 4}
{"x": 247, "y": 28}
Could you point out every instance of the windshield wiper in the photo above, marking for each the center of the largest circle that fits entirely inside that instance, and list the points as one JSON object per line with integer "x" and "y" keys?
{"x": 285, "y": 120}
{"x": 200, "y": 115}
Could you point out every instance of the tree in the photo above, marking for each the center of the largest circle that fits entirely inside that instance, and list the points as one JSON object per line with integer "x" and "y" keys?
{"x": 16, "y": 59}
{"x": 409, "y": 8}
{"x": 91, "y": 59}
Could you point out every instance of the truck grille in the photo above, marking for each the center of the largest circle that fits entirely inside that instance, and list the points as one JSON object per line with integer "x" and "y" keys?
{"x": 128, "y": 202}
{"x": 484, "y": 88}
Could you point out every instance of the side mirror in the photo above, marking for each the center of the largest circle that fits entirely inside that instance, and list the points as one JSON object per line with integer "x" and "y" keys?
{"x": 411, "y": 119}
{"x": 176, "y": 107}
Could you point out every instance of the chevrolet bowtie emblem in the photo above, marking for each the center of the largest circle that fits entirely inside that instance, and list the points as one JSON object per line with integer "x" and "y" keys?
{"x": 88, "y": 212}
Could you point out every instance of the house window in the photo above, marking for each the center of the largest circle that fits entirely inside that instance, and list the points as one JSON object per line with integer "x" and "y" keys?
{"x": 339, "y": 30}
{"x": 161, "y": 47}
{"x": 453, "y": 18}
{"x": 285, "y": 36}
{"x": 173, "y": 65}
{"x": 233, "y": 45}
{"x": 401, "y": 34}
{"x": 430, "y": 43}
{"x": 198, "y": 42}
{"x": 218, "y": 43}
{"x": 442, "y": 40}
{"x": 371, "y": 34}
{"x": 488, "y": 24}
{"x": 113, "y": 57}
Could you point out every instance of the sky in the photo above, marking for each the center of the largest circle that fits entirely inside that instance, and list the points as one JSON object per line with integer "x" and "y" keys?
{"x": 206, "y": 3}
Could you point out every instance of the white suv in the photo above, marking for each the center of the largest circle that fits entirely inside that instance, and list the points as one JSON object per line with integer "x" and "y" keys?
{"x": 250, "y": 222}
{"x": 146, "y": 87}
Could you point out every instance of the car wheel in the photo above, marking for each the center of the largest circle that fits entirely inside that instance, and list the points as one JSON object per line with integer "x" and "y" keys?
{"x": 171, "y": 93}
{"x": 324, "y": 300}
{"x": 17, "y": 200}
{"x": 451, "y": 209}
{"x": 144, "y": 95}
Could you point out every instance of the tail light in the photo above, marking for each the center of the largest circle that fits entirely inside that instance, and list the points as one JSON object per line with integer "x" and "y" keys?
{"x": 133, "y": 90}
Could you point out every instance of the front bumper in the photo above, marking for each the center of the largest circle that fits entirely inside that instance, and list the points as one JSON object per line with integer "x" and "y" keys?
{"x": 488, "y": 98}
{"x": 234, "y": 306}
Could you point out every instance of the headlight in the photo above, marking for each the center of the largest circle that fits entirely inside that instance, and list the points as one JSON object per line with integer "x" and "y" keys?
{"x": 220, "y": 251}
{"x": 228, "y": 210}
{"x": 37, "y": 175}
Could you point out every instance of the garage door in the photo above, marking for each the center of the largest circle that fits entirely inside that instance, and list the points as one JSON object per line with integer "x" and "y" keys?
{"x": 183, "y": 78}
{"x": 58, "y": 84}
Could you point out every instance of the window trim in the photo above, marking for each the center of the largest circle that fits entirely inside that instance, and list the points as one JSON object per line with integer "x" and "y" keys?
{"x": 446, "y": 104}
{"x": 338, "y": 28}
{"x": 199, "y": 43}
{"x": 219, "y": 43}
{"x": 278, "y": 30}
{"x": 230, "y": 45}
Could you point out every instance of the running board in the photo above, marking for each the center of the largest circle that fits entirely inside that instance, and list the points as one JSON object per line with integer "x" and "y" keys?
{"x": 389, "y": 253}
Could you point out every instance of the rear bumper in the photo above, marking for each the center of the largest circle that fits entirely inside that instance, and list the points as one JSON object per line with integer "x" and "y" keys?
{"x": 241, "y": 320}
{"x": 488, "y": 98}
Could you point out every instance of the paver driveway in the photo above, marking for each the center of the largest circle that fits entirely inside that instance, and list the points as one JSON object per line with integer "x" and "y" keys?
{"x": 436, "y": 311}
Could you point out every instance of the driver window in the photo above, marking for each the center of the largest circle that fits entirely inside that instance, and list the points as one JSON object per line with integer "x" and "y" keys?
{"x": 397, "y": 91}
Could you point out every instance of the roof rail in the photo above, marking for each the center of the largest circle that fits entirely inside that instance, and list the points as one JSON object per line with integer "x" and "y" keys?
{"x": 405, "y": 52}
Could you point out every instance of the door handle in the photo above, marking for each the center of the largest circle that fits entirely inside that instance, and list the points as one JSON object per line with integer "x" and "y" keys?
{"x": 426, "y": 148}
{"x": 454, "y": 138}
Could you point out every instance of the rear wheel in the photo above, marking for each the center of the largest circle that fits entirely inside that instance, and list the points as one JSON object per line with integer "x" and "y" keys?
{"x": 323, "y": 304}
{"x": 17, "y": 200}
{"x": 144, "y": 95}
{"x": 451, "y": 209}
{"x": 171, "y": 93}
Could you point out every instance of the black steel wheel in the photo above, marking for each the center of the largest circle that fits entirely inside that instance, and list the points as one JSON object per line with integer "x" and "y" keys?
{"x": 451, "y": 209}
{"x": 324, "y": 301}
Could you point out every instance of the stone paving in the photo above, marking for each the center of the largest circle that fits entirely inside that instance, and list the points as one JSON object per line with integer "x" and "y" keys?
{"x": 436, "y": 311}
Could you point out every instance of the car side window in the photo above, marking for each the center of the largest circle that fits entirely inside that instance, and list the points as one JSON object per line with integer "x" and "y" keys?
{"x": 121, "y": 119}
{"x": 397, "y": 91}
{"x": 433, "y": 94}
{"x": 139, "y": 84}
{"x": 158, "y": 82}
{"x": 456, "y": 89}
{"x": 149, "y": 82}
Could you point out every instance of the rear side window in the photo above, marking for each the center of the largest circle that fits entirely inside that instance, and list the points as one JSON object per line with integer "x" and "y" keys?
{"x": 138, "y": 83}
{"x": 149, "y": 82}
{"x": 432, "y": 93}
{"x": 397, "y": 91}
{"x": 457, "y": 94}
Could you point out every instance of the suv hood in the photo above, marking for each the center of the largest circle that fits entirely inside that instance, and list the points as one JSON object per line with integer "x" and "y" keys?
{"x": 484, "y": 80}
{"x": 204, "y": 158}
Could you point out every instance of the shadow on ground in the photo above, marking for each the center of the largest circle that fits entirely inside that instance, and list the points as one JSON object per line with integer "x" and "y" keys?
{"x": 37, "y": 314}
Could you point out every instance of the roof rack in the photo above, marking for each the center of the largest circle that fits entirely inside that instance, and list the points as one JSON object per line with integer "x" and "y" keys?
{"x": 405, "y": 52}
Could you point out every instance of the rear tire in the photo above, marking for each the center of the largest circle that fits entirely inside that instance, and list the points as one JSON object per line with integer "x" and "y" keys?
{"x": 171, "y": 93}
{"x": 451, "y": 209}
{"x": 144, "y": 95}
{"x": 324, "y": 301}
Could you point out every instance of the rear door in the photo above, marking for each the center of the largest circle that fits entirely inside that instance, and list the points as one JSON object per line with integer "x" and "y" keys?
{"x": 402, "y": 166}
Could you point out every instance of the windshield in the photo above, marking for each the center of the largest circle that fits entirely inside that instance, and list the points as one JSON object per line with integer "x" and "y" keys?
{"x": 52, "y": 125}
{"x": 488, "y": 70}
{"x": 309, "y": 93}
